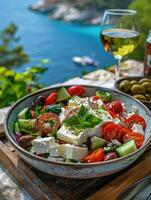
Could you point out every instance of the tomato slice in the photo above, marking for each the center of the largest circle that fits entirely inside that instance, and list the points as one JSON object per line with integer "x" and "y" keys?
{"x": 77, "y": 90}
{"x": 116, "y": 107}
{"x": 47, "y": 122}
{"x": 135, "y": 119}
{"x": 51, "y": 99}
{"x": 96, "y": 156}
{"x": 113, "y": 131}
{"x": 95, "y": 98}
{"x": 139, "y": 138}
{"x": 114, "y": 115}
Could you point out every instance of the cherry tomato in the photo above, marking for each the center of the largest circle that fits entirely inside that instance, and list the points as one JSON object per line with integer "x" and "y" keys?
{"x": 114, "y": 115}
{"x": 95, "y": 98}
{"x": 51, "y": 99}
{"x": 116, "y": 107}
{"x": 113, "y": 131}
{"x": 96, "y": 156}
{"x": 110, "y": 156}
{"x": 77, "y": 90}
{"x": 47, "y": 122}
{"x": 139, "y": 138}
{"x": 135, "y": 119}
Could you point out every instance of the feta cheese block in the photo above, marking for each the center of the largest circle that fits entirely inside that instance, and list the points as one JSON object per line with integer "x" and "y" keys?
{"x": 69, "y": 136}
{"x": 74, "y": 152}
{"x": 56, "y": 151}
{"x": 42, "y": 145}
{"x": 138, "y": 128}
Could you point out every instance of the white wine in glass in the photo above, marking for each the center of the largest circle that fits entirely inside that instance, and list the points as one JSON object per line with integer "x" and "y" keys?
{"x": 120, "y": 34}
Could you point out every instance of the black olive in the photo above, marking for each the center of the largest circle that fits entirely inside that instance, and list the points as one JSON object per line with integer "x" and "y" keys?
{"x": 40, "y": 101}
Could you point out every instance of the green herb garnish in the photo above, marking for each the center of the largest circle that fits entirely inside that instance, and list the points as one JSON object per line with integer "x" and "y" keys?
{"x": 82, "y": 120}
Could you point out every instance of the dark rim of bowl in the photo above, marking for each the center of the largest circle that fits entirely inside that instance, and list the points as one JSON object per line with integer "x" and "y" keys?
{"x": 133, "y": 185}
{"x": 116, "y": 85}
{"x": 19, "y": 148}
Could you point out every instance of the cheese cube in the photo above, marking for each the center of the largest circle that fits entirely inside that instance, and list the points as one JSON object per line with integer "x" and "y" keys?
{"x": 138, "y": 128}
{"x": 41, "y": 145}
{"x": 56, "y": 151}
{"x": 74, "y": 152}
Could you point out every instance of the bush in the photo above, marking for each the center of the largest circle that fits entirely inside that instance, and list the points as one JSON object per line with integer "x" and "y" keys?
{"x": 15, "y": 85}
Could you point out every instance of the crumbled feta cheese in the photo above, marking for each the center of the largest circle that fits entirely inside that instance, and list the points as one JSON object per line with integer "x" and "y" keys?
{"x": 116, "y": 143}
{"x": 138, "y": 128}
{"x": 134, "y": 110}
{"x": 41, "y": 145}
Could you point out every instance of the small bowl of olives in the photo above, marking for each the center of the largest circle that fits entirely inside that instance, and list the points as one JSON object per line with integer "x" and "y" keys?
{"x": 137, "y": 87}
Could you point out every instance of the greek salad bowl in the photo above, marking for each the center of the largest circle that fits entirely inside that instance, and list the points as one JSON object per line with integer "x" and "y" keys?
{"x": 78, "y": 131}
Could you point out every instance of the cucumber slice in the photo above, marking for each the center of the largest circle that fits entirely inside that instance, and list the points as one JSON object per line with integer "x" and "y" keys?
{"x": 24, "y": 114}
{"x": 126, "y": 148}
{"x": 62, "y": 95}
{"x": 104, "y": 96}
{"x": 27, "y": 124}
{"x": 97, "y": 142}
{"x": 16, "y": 127}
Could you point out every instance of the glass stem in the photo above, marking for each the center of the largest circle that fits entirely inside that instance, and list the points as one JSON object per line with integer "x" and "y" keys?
{"x": 117, "y": 67}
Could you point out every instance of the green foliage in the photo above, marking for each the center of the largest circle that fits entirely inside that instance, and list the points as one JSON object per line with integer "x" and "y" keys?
{"x": 15, "y": 85}
{"x": 11, "y": 53}
{"x": 144, "y": 9}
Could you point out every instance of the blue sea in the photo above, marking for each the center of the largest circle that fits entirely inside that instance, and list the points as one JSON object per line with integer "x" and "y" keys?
{"x": 54, "y": 40}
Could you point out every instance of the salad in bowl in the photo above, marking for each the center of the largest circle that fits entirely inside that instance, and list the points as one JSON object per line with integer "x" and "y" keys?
{"x": 69, "y": 126}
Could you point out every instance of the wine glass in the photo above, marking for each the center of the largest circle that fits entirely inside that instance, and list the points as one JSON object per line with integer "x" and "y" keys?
{"x": 120, "y": 34}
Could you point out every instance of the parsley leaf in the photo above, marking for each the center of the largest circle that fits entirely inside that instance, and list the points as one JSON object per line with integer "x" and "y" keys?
{"x": 82, "y": 120}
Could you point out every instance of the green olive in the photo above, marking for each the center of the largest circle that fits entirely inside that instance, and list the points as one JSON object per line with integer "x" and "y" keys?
{"x": 125, "y": 86}
{"x": 147, "y": 85}
{"x": 138, "y": 89}
{"x": 144, "y": 80}
{"x": 133, "y": 82}
{"x": 148, "y": 96}
{"x": 139, "y": 97}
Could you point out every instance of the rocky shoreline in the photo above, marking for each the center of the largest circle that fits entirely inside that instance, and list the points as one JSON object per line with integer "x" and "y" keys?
{"x": 66, "y": 12}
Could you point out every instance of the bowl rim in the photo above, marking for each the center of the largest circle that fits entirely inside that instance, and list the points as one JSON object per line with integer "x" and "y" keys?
{"x": 116, "y": 85}
{"x": 27, "y": 153}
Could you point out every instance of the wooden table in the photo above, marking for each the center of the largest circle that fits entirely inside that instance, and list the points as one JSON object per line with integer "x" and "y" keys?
{"x": 43, "y": 187}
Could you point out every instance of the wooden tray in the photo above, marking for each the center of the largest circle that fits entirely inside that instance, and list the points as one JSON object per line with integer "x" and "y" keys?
{"x": 44, "y": 187}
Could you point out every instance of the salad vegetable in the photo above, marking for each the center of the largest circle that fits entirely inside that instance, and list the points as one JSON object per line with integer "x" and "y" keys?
{"x": 67, "y": 125}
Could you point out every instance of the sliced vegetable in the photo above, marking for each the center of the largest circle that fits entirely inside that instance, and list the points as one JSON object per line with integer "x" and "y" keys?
{"x": 104, "y": 96}
{"x": 77, "y": 90}
{"x": 27, "y": 124}
{"x": 70, "y": 161}
{"x": 62, "y": 95}
{"x": 126, "y": 148}
{"x": 53, "y": 108}
{"x": 97, "y": 142}
{"x": 95, "y": 98}
{"x": 139, "y": 138}
{"x": 96, "y": 156}
{"x": 16, "y": 127}
{"x": 47, "y": 122}
{"x": 112, "y": 131}
{"x": 25, "y": 114}
{"x": 110, "y": 156}
{"x": 135, "y": 119}
{"x": 51, "y": 99}
{"x": 116, "y": 107}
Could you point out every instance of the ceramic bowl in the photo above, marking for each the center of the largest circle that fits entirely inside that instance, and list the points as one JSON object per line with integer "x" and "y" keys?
{"x": 77, "y": 170}
{"x": 117, "y": 83}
